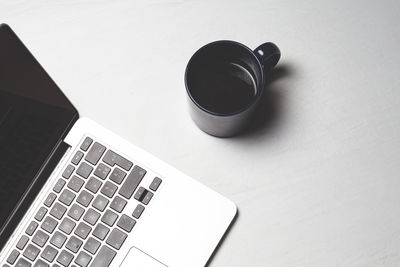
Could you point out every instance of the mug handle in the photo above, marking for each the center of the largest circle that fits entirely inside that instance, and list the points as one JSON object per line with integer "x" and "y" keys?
{"x": 268, "y": 54}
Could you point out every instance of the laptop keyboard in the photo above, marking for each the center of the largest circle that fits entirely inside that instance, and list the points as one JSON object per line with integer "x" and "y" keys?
{"x": 82, "y": 221}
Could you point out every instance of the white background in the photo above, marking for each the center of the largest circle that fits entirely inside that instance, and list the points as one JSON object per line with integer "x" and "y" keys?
{"x": 317, "y": 177}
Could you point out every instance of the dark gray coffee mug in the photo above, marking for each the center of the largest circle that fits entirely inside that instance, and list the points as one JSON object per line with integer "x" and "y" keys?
{"x": 224, "y": 81}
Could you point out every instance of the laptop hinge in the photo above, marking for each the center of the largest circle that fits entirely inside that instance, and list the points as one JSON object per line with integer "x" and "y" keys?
{"x": 32, "y": 191}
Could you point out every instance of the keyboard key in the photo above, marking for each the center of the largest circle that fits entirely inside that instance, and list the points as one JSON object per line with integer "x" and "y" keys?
{"x": 41, "y": 263}
{"x": 68, "y": 171}
{"x": 95, "y": 153}
{"x": 40, "y": 214}
{"x": 143, "y": 195}
{"x": 109, "y": 189}
{"x": 66, "y": 197}
{"x": 117, "y": 175}
{"x": 93, "y": 185}
{"x": 112, "y": 158}
{"x": 102, "y": 171}
{"x": 59, "y": 185}
{"x": 75, "y": 183}
{"x": 83, "y": 230}
{"x": 109, "y": 218}
{"x": 84, "y": 170}
{"x": 100, "y": 203}
{"x": 13, "y": 256}
{"x": 40, "y": 238}
{"x": 58, "y": 239}
{"x": 49, "y": 253}
{"x": 76, "y": 212}
{"x": 104, "y": 257}
{"x": 84, "y": 198}
{"x": 49, "y": 224}
{"x": 132, "y": 182}
{"x": 83, "y": 259}
{"x": 118, "y": 204}
{"x": 50, "y": 199}
{"x": 67, "y": 225}
{"x": 31, "y": 228}
{"x": 140, "y": 193}
{"x": 86, "y": 143}
{"x": 22, "y": 263}
{"x": 77, "y": 157}
{"x": 92, "y": 245}
{"x": 31, "y": 252}
{"x": 91, "y": 216}
{"x": 116, "y": 238}
{"x": 126, "y": 223}
{"x": 155, "y": 184}
{"x": 101, "y": 231}
{"x": 149, "y": 195}
{"x": 65, "y": 258}
{"x": 58, "y": 210}
{"x": 74, "y": 244}
{"x": 138, "y": 211}
{"x": 22, "y": 242}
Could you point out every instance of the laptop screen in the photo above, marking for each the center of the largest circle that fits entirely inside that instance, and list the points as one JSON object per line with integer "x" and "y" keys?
{"x": 34, "y": 116}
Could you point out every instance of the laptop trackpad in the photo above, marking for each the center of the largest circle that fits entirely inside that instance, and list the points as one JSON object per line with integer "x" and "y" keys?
{"x": 138, "y": 258}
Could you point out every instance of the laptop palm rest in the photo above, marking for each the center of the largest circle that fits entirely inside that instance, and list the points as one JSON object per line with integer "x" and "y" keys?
{"x": 139, "y": 258}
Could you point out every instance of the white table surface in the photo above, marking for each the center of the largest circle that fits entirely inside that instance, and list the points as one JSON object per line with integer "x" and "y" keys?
{"x": 317, "y": 179}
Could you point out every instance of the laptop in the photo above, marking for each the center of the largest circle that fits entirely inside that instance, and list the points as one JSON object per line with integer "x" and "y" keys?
{"x": 73, "y": 193}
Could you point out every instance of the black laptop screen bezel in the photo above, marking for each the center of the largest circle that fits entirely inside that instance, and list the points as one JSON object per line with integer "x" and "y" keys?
{"x": 35, "y": 116}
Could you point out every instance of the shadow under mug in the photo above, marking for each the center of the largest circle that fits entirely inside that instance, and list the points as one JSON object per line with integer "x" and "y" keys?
{"x": 224, "y": 81}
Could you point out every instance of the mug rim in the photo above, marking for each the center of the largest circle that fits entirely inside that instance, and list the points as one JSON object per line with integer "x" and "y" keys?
{"x": 256, "y": 97}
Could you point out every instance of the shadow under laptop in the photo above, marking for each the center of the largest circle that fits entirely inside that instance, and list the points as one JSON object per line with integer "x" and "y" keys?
{"x": 221, "y": 242}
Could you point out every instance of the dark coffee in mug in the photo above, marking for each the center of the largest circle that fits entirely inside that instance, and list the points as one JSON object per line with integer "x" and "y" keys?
{"x": 225, "y": 87}
{"x": 224, "y": 81}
